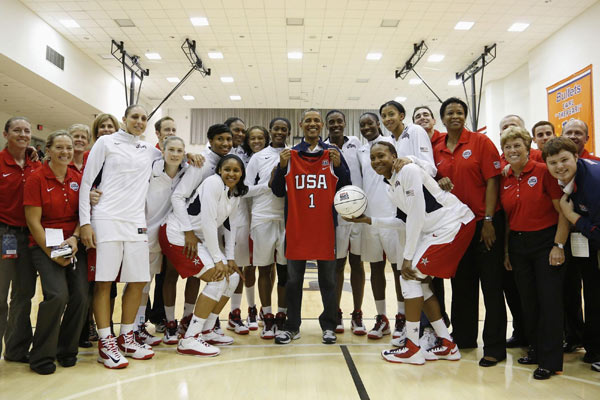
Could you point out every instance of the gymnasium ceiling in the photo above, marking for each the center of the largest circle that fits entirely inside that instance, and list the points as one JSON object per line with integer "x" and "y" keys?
{"x": 335, "y": 37}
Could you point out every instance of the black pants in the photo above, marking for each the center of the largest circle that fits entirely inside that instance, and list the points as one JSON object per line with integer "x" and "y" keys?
{"x": 63, "y": 311}
{"x": 513, "y": 300}
{"x": 574, "y": 325}
{"x": 540, "y": 288}
{"x": 480, "y": 264}
{"x": 293, "y": 291}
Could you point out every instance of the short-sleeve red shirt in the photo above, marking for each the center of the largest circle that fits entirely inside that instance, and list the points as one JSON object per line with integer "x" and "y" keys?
{"x": 59, "y": 201}
{"x": 475, "y": 160}
{"x": 436, "y": 137}
{"x": 586, "y": 154}
{"x": 12, "y": 180}
{"x": 527, "y": 199}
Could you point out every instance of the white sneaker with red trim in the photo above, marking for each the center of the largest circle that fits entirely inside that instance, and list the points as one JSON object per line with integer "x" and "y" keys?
{"x": 131, "y": 348}
{"x": 410, "y": 353}
{"x": 109, "y": 355}
{"x": 444, "y": 350}
{"x": 196, "y": 346}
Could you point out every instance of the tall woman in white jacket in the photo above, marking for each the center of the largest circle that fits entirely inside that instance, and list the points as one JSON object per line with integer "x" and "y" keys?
{"x": 208, "y": 209}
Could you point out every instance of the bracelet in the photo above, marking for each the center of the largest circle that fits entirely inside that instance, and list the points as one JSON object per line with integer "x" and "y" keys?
{"x": 488, "y": 218}
{"x": 76, "y": 236}
{"x": 559, "y": 245}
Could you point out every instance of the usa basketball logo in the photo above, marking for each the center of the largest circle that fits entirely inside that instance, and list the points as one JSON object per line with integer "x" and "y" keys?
{"x": 497, "y": 164}
{"x": 344, "y": 196}
{"x": 466, "y": 154}
{"x": 532, "y": 181}
{"x": 74, "y": 186}
{"x": 325, "y": 163}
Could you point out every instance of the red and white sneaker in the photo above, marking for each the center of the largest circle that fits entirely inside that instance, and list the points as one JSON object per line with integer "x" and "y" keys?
{"x": 184, "y": 323}
{"x": 252, "y": 321}
{"x": 269, "y": 328}
{"x": 261, "y": 317}
{"x": 171, "y": 336}
{"x": 213, "y": 337}
{"x": 408, "y": 354}
{"x": 131, "y": 348}
{"x": 381, "y": 328}
{"x": 400, "y": 327}
{"x": 280, "y": 318}
{"x": 444, "y": 350}
{"x": 236, "y": 324}
{"x": 339, "y": 328}
{"x": 217, "y": 328}
{"x": 196, "y": 346}
{"x": 357, "y": 326}
{"x": 109, "y": 355}
{"x": 144, "y": 337}
{"x": 429, "y": 339}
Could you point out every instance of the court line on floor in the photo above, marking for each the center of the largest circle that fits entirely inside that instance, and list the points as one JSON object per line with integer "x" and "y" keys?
{"x": 360, "y": 387}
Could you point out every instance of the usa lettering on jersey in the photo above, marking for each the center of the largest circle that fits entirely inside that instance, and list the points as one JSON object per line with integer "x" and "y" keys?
{"x": 311, "y": 181}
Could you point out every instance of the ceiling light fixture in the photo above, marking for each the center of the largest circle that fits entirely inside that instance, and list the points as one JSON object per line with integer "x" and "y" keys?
{"x": 454, "y": 82}
{"x": 415, "y": 81}
{"x": 125, "y": 23}
{"x": 374, "y": 56}
{"x": 400, "y": 99}
{"x": 215, "y": 55}
{"x": 235, "y": 97}
{"x": 199, "y": 21}
{"x": 294, "y": 21}
{"x": 69, "y": 23}
{"x": 173, "y": 79}
{"x": 153, "y": 56}
{"x": 295, "y": 55}
{"x": 518, "y": 27}
{"x": 435, "y": 58}
{"x": 227, "y": 79}
{"x": 389, "y": 23}
{"x": 188, "y": 97}
{"x": 464, "y": 25}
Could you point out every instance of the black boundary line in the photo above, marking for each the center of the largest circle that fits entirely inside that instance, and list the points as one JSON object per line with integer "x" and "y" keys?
{"x": 360, "y": 388}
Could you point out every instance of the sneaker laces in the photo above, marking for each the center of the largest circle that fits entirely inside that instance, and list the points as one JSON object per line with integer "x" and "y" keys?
{"x": 109, "y": 344}
{"x": 439, "y": 345}
{"x": 378, "y": 322}
{"x": 268, "y": 323}
{"x": 252, "y": 314}
{"x": 400, "y": 322}
{"x": 357, "y": 317}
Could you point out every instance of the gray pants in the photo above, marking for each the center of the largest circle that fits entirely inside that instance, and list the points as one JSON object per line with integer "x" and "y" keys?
{"x": 62, "y": 287}
{"x": 21, "y": 273}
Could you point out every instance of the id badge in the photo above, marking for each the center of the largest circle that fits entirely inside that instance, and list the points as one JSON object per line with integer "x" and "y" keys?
{"x": 9, "y": 246}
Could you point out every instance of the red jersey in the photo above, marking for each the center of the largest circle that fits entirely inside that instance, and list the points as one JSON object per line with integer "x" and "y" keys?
{"x": 12, "y": 180}
{"x": 586, "y": 154}
{"x": 309, "y": 229}
{"x": 437, "y": 137}
{"x": 59, "y": 201}
{"x": 527, "y": 199}
{"x": 475, "y": 160}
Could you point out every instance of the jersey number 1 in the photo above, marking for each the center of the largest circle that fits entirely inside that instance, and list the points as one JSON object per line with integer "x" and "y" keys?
{"x": 312, "y": 200}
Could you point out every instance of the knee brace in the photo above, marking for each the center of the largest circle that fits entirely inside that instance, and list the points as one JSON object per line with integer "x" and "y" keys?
{"x": 281, "y": 275}
{"x": 234, "y": 280}
{"x": 427, "y": 293}
{"x": 214, "y": 290}
{"x": 411, "y": 289}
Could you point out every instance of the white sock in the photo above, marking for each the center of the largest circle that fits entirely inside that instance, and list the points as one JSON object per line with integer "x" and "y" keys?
{"x": 170, "y": 313}
{"x": 267, "y": 310}
{"x": 282, "y": 309}
{"x": 188, "y": 309}
{"x": 210, "y": 321}
{"x": 401, "y": 308}
{"x": 380, "y": 306}
{"x": 140, "y": 318}
{"x": 195, "y": 327}
{"x": 236, "y": 301}
{"x": 412, "y": 331}
{"x": 104, "y": 332}
{"x": 126, "y": 328}
{"x": 250, "y": 296}
{"x": 441, "y": 329}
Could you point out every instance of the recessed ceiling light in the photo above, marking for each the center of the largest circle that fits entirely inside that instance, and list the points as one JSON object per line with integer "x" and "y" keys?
{"x": 455, "y": 82}
{"x": 215, "y": 54}
{"x": 400, "y": 99}
{"x": 294, "y": 21}
{"x": 294, "y": 80}
{"x": 354, "y": 98}
{"x": 199, "y": 21}
{"x": 518, "y": 27}
{"x": 374, "y": 56}
{"x": 235, "y": 97}
{"x": 226, "y": 79}
{"x": 435, "y": 57}
{"x": 69, "y": 23}
{"x": 188, "y": 97}
{"x": 415, "y": 81}
{"x": 389, "y": 23}
{"x": 294, "y": 55}
{"x": 464, "y": 25}
{"x": 173, "y": 79}
{"x": 153, "y": 56}
{"x": 362, "y": 80}
{"x": 125, "y": 23}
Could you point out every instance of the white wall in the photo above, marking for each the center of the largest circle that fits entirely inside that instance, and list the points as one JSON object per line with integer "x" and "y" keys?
{"x": 41, "y": 135}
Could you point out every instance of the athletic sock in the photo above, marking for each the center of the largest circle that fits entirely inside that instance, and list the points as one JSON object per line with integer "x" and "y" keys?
{"x": 250, "y": 296}
{"x": 126, "y": 328}
{"x": 170, "y": 313}
{"x": 140, "y": 318}
{"x": 196, "y": 325}
{"x": 401, "y": 308}
{"x": 188, "y": 308}
{"x": 210, "y": 322}
{"x": 103, "y": 333}
{"x": 412, "y": 331}
{"x": 380, "y": 306}
{"x": 236, "y": 301}
{"x": 282, "y": 309}
{"x": 440, "y": 329}
{"x": 267, "y": 310}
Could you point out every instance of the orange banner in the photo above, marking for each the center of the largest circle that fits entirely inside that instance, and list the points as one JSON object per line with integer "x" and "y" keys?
{"x": 572, "y": 98}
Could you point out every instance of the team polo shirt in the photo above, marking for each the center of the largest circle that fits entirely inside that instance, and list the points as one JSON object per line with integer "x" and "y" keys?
{"x": 436, "y": 138}
{"x": 59, "y": 201}
{"x": 12, "y": 181}
{"x": 586, "y": 154}
{"x": 527, "y": 198}
{"x": 475, "y": 160}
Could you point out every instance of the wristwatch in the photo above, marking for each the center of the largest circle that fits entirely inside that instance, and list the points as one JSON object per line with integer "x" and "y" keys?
{"x": 488, "y": 218}
{"x": 559, "y": 245}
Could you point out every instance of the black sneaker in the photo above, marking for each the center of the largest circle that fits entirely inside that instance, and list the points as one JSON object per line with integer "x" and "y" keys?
{"x": 285, "y": 337}
{"x": 329, "y": 337}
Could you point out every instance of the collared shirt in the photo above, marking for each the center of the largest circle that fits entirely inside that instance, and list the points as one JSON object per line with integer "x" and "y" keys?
{"x": 586, "y": 154}
{"x": 475, "y": 160}
{"x": 527, "y": 198}
{"x": 59, "y": 200}
{"x": 415, "y": 142}
{"x": 12, "y": 181}
{"x": 437, "y": 137}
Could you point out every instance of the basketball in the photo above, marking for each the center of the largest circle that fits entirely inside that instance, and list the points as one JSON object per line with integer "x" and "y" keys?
{"x": 350, "y": 201}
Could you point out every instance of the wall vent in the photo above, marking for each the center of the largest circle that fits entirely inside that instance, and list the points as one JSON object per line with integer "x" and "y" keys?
{"x": 55, "y": 57}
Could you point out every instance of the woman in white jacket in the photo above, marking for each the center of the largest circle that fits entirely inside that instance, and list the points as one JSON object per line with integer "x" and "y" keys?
{"x": 208, "y": 210}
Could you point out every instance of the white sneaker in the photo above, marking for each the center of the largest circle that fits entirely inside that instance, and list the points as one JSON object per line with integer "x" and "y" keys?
{"x": 195, "y": 346}
{"x": 171, "y": 334}
{"x": 429, "y": 339}
{"x": 235, "y": 323}
{"x": 444, "y": 350}
{"x": 130, "y": 348}
{"x": 409, "y": 354}
{"x": 212, "y": 337}
{"x": 269, "y": 327}
{"x": 145, "y": 337}
{"x": 382, "y": 327}
{"x": 251, "y": 320}
{"x": 109, "y": 355}
{"x": 400, "y": 327}
{"x": 357, "y": 325}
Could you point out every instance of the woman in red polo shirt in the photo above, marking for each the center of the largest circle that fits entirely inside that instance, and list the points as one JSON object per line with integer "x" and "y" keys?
{"x": 15, "y": 262}
{"x": 534, "y": 250}
{"x": 81, "y": 139}
{"x": 51, "y": 200}
{"x": 471, "y": 161}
